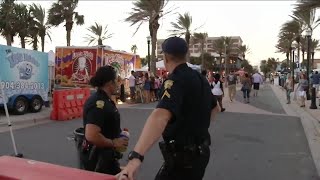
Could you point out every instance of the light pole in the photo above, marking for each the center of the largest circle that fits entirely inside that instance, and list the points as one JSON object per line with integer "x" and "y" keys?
{"x": 225, "y": 59}
{"x": 308, "y": 35}
{"x": 313, "y": 90}
{"x": 148, "y": 41}
{"x": 293, "y": 46}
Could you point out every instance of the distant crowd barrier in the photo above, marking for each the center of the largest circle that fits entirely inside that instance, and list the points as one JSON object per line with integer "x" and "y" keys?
{"x": 68, "y": 103}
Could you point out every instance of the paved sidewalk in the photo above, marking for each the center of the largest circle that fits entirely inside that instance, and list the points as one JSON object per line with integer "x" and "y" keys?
{"x": 27, "y": 119}
{"x": 309, "y": 120}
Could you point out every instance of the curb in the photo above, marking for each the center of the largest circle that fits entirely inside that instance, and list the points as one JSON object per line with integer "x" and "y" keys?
{"x": 310, "y": 126}
{"x": 37, "y": 120}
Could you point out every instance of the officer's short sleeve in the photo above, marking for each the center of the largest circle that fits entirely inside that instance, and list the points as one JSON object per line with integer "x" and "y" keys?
{"x": 171, "y": 97}
{"x": 96, "y": 114}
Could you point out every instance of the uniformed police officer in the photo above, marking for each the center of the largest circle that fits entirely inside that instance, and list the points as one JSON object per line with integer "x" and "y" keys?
{"x": 101, "y": 121}
{"x": 182, "y": 116}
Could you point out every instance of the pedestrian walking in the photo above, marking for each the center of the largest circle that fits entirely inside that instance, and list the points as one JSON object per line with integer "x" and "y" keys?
{"x": 232, "y": 82}
{"x": 217, "y": 90}
{"x": 288, "y": 88}
{"x": 316, "y": 81}
{"x": 246, "y": 88}
{"x": 182, "y": 116}
{"x": 257, "y": 80}
{"x": 101, "y": 121}
{"x": 302, "y": 88}
{"x": 132, "y": 86}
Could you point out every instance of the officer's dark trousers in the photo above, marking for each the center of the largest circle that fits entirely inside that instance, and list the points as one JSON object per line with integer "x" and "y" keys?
{"x": 196, "y": 172}
{"x": 106, "y": 163}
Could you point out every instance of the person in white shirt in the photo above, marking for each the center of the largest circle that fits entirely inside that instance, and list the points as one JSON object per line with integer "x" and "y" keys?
{"x": 217, "y": 90}
{"x": 257, "y": 80}
{"x": 132, "y": 85}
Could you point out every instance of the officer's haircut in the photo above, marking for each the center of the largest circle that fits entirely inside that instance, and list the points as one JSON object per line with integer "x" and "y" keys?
{"x": 176, "y": 57}
{"x": 103, "y": 75}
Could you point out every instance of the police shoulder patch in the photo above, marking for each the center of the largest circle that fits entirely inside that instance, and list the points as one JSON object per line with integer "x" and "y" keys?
{"x": 100, "y": 104}
{"x": 168, "y": 84}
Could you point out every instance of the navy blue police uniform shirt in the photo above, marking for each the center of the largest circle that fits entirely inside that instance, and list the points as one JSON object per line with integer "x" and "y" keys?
{"x": 187, "y": 95}
{"x": 101, "y": 111}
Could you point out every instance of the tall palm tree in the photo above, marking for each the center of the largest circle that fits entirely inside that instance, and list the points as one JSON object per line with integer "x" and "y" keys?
{"x": 314, "y": 47}
{"x": 134, "y": 49}
{"x": 295, "y": 28}
{"x": 98, "y": 34}
{"x": 23, "y": 19}
{"x": 64, "y": 11}
{"x": 182, "y": 27}
{"x": 42, "y": 27}
{"x": 7, "y": 20}
{"x": 201, "y": 38}
{"x": 228, "y": 44}
{"x": 149, "y": 11}
{"x": 309, "y": 4}
{"x": 303, "y": 46}
{"x": 219, "y": 47}
{"x": 244, "y": 49}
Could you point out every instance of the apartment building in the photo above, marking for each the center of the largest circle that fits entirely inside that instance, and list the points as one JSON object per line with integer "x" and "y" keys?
{"x": 208, "y": 47}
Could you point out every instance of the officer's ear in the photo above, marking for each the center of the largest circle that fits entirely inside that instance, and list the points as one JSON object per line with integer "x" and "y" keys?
{"x": 165, "y": 57}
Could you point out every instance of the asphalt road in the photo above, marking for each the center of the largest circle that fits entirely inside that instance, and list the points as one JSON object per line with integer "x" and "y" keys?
{"x": 245, "y": 146}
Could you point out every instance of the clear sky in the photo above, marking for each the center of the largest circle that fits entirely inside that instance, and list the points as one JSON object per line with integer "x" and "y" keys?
{"x": 257, "y": 22}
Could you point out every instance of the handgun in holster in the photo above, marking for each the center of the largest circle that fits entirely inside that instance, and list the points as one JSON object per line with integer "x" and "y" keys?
{"x": 181, "y": 156}
{"x": 88, "y": 155}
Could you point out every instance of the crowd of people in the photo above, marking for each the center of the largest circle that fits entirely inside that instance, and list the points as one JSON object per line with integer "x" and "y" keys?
{"x": 247, "y": 81}
{"x": 145, "y": 86}
{"x": 302, "y": 86}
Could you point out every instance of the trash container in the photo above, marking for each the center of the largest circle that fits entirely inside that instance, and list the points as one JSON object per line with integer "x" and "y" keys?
{"x": 78, "y": 138}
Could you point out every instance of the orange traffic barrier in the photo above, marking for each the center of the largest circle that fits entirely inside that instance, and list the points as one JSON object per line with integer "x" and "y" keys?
{"x": 35, "y": 170}
{"x": 68, "y": 103}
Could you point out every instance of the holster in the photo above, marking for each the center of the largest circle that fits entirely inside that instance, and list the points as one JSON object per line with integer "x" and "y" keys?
{"x": 176, "y": 156}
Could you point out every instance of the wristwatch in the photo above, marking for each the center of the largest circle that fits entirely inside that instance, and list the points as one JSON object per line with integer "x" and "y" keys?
{"x": 135, "y": 155}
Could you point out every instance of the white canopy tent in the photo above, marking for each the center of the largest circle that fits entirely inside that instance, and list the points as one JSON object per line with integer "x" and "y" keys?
{"x": 160, "y": 65}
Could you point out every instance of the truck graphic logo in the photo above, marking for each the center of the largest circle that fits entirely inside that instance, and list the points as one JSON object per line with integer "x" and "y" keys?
{"x": 25, "y": 70}
{"x": 24, "y": 63}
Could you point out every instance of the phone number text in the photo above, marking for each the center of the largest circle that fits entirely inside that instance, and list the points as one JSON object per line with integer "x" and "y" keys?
{"x": 21, "y": 85}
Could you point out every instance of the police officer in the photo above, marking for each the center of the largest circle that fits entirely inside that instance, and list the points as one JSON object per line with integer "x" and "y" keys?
{"x": 101, "y": 121}
{"x": 182, "y": 116}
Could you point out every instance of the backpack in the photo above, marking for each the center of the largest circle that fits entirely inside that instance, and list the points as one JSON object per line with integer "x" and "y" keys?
{"x": 231, "y": 78}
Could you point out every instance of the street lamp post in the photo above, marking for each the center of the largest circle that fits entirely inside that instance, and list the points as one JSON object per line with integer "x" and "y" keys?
{"x": 225, "y": 59}
{"x": 148, "y": 41}
{"x": 308, "y": 35}
{"x": 313, "y": 90}
{"x": 293, "y": 46}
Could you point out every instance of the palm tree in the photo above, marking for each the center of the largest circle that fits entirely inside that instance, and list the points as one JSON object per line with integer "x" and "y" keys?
{"x": 64, "y": 11}
{"x": 244, "y": 49}
{"x": 98, "y": 34}
{"x": 219, "y": 47}
{"x": 309, "y": 4}
{"x": 201, "y": 38}
{"x": 306, "y": 17}
{"x": 7, "y": 20}
{"x": 295, "y": 28}
{"x": 42, "y": 27}
{"x": 314, "y": 47}
{"x": 134, "y": 49}
{"x": 182, "y": 27}
{"x": 22, "y": 24}
{"x": 228, "y": 44}
{"x": 148, "y": 11}
{"x": 303, "y": 45}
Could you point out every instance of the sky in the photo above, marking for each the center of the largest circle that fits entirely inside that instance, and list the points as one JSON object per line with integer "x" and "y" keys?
{"x": 257, "y": 22}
